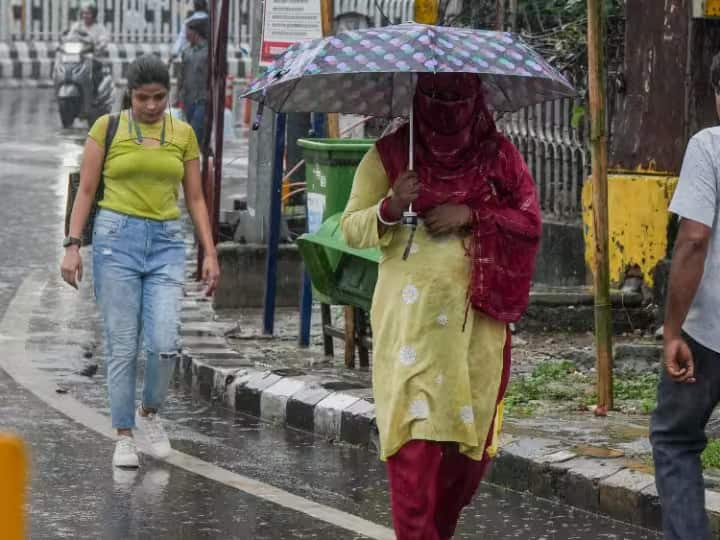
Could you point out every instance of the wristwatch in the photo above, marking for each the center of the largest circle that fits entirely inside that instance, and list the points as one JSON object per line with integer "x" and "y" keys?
{"x": 72, "y": 241}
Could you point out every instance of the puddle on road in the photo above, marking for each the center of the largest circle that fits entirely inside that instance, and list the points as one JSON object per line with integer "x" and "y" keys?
{"x": 598, "y": 452}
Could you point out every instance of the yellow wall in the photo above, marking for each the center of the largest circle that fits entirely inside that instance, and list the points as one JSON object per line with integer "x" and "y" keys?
{"x": 712, "y": 8}
{"x": 426, "y": 11}
{"x": 638, "y": 222}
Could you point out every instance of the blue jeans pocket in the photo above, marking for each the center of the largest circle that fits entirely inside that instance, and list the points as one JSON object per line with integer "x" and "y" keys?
{"x": 173, "y": 230}
{"x": 108, "y": 224}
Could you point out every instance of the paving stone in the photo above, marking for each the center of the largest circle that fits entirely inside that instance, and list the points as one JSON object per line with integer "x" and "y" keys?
{"x": 203, "y": 377}
{"x": 208, "y": 342}
{"x": 209, "y": 355}
{"x": 328, "y": 414}
{"x": 249, "y": 392}
{"x": 559, "y": 457}
{"x": 579, "y": 486}
{"x": 515, "y": 465}
{"x": 204, "y": 329}
{"x": 620, "y": 495}
{"x": 273, "y": 403}
{"x": 300, "y": 409}
{"x": 356, "y": 422}
{"x": 195, "y": 316}
{"x": 712, "y": 506}
{"x": 650, "y": 510}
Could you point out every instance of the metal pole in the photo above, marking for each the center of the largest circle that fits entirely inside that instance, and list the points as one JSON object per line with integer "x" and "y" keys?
{"x": 220, "y": 79}
{"x": 306, "y": 300}
{"x": 271, "y": 262}
{"x": 598, "y": 138}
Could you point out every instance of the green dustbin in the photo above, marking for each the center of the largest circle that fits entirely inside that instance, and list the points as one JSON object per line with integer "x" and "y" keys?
{"x": 330, "y": 166}
{"x": 341, "y": 275}
{"x": 329, "y": 171}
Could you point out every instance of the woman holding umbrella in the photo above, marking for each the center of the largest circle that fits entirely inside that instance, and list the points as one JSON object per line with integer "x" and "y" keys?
{"x": 440, "y": 317}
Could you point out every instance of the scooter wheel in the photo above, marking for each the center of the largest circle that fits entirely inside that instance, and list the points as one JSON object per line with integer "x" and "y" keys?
{"x": 67, "y": 117}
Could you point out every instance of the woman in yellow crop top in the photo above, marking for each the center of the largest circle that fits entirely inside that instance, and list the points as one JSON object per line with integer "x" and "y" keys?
{"x": 139, "y": 248}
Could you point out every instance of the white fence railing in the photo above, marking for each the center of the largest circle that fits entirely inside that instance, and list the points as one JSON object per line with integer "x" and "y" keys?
{"x": 556, "y": 152}
{"x": 159, "y": 21}
{"x": 128, "y": 21}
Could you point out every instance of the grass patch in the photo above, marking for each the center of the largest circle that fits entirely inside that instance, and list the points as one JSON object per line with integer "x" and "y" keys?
{"x": 560, "y": 384}
{"x": 711, "y": 455}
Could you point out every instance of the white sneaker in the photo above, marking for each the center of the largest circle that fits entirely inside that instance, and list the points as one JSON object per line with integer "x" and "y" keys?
{"x": 125, "y": 455}
{"x": 153, "y": 434}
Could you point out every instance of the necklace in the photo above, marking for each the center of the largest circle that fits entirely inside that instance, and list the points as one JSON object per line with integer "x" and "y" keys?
{"x": 139, "y": 138}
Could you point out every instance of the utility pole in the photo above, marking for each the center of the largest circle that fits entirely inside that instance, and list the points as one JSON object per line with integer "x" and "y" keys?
{"x": 598, "y": 139}
{"x": 261, "y": 150}
{"x": 328, "y": 18}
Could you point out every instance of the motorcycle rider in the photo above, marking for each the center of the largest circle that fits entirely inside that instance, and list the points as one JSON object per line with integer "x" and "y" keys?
{"x": 96, "y": 32}
{"x": 88, "y": 24}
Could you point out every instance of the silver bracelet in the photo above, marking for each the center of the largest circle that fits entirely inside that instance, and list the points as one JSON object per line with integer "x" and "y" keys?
{"x": 380, "y": 218}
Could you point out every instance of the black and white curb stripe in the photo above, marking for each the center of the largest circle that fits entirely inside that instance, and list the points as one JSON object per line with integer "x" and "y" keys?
{"x": 32, "y": 62}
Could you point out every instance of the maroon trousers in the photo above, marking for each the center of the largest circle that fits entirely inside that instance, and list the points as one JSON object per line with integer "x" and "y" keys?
{"x": 431, "y": 482}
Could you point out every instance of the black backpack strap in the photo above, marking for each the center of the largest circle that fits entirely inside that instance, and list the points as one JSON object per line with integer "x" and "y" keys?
{"x": 112, "y": 127}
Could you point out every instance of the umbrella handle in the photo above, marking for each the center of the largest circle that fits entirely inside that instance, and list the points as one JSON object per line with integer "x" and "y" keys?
{"x": 259, "y": 116}
{"x": 411, "y": 151}
{"x": 411, "y": 157}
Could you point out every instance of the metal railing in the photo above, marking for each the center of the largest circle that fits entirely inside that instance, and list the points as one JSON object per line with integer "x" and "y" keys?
{"x": 556, "y": 153}
{"x": 127, "y": 21}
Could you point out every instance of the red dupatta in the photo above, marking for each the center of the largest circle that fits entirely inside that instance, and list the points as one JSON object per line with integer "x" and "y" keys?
{"x": 461, "y": 158}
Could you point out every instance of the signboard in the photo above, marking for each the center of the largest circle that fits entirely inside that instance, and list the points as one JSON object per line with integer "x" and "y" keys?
{"x": 286, "y": 22}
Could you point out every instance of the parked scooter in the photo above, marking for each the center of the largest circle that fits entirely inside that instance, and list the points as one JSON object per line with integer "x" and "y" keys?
{"x": 84, "y": 88}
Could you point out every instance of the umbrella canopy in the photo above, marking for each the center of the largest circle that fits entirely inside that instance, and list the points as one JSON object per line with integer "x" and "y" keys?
{"x": 370, "y": 72}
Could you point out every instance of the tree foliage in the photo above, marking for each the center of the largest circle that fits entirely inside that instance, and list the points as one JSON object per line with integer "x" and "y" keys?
{"x": 556, "y": 28}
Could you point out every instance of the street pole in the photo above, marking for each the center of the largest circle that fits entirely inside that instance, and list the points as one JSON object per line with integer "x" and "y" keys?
{"x": 328, "y": 17}
{"x": 598, "y": 139}
{"x": 275, "y": 212}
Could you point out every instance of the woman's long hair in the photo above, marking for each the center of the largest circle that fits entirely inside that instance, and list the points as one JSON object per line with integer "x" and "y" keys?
{"x": 146, "y": 69}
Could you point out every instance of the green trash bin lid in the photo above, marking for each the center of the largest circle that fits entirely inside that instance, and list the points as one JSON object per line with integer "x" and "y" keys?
{"x": 341, "y": 145}
{"x": 340, "y": 274}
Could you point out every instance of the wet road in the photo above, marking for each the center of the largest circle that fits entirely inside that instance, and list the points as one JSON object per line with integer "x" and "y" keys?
{"x": 233, "y": 477}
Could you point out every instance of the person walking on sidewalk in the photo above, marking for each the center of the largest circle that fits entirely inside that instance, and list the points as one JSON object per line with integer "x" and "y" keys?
{"x": 689, "y": 389}
{"x": 200, "y": 11}
{"x": 139, "y": 248}
{"x": 440, "y": 317}
{"x": 193, "y": 84}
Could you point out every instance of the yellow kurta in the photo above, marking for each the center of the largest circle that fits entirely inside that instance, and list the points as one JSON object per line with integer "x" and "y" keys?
{"x": 431, "y": 380}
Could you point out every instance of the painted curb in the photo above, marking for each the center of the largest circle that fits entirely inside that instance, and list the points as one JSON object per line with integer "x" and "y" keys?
{"x": 542, "y": 467}
{"x": 30, "y": 63}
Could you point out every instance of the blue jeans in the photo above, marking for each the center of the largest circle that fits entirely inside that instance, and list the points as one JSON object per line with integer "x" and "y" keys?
{"x": 138, "y": 269}
{"x": 195, "y": 113}
{"x": 678, "y": 437}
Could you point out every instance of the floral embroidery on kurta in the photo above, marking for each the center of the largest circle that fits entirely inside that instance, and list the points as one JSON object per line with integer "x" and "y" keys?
{"x": 431, "y": 379}
{"x": 419, "y": 409}
{"x": 410, "y": 294}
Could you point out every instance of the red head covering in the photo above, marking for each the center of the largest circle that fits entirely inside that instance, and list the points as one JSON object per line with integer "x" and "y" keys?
{"x": 461, "y": 158}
